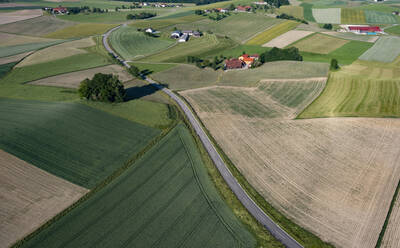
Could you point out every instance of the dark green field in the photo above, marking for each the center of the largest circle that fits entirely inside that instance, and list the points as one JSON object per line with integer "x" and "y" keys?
{"x": 70, "y": 140}
{"x": 5, "y": 68}
{"x": 166, "y": 199}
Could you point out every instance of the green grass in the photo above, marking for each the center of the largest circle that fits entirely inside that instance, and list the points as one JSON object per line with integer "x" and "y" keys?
{"x": 166, "y": 199}
{"x": 296, "y": 11}
{"x": 5, "y": 68}
{"x": 81, "y": 30}
{"x": 238, "y": 50}
{"x": 307, "y": 12}
{"x": 153, "y": 67}
{"x": 73, "y": 141}
{"x": 346, "y": 54}
{"x": 23, "y": 48}
{"x": 159, "y": 23}
{"x": 375, "y": 17}
{"x": 393, "y": 30}
{"x": 131, "y": 44}
{"x": 272, "y": 33}
{"x": 177, "y": 14}
{"x": 386, "y": 49}
{"x": 352, "y": 16}
{"x": 320, "y": 43}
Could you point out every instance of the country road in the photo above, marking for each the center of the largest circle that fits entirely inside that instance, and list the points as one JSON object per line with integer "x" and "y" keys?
{"x": 236, "y": 188}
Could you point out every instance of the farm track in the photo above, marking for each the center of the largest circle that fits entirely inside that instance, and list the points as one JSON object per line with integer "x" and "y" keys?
{"x": 231, "y": 181}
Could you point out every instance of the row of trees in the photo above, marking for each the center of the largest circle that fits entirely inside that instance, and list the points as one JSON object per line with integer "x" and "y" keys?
{"x": 215, "y": 63}
{"x": 276, "y": 54}
{"x": 142, "y": 15}
{"x": 289, "y": 17}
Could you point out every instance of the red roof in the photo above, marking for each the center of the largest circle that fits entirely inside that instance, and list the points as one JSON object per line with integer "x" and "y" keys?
{"x": 254, "y": 55}
{"x": 366, "y": 29}
{"x": 60, "y": 9}
{"x": 233, "y": 64}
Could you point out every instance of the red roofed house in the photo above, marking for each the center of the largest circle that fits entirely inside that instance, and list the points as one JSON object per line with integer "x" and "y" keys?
{"x": 60, "y": 10}
{"x": 243, "y": 8}
{"x": 233, "y": 64}
{"x": 365, "y": 29}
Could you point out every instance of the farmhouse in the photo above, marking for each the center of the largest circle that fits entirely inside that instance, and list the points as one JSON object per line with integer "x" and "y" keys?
{"x": 60, "y": 10}
{"x": 176, "y": 34}
{"x": 248, "y": 59}
{"x": 150, "y": 30}
{"x": 233, "y": 64}
{"x": 221, "y": 10}
{"x": 396, "y": 13}
{"x": 184, "y": 38}
{"x": 372, "y": 30}
{"x": 243, "y": 8}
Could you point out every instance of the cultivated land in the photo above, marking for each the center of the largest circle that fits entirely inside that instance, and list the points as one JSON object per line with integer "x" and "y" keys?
{"x": 296, "y": 11}
{"x": 353, "y": 16}
{"x": 20, "y": 15}
{"x": 73, "y": 79}
{"x": 351, "y": 36}
{"x": 164, "y": 23}
{"x": 379, "y": 17}
{"x": 391, "y": 238}
{"x": 386, "y": 49}
{"x": 80, "y": 30}
{"x": 12, "y": 39}
{"x": 287, "y": 38}
{"x": 320, "y": 43}
{"x": 393, "y": 30}
{"x": 166, "y": 199}
{"x": 336, "y": 177}
{"x": 331, "y": 15}
{"x": 131, "y": 44}
{"x": 272, "y": 33}
{"x": 14, "y": 58}
{"x": 55, "y": 137}
{"x": 30, "y": 197}
{"x": 6, "y": 51}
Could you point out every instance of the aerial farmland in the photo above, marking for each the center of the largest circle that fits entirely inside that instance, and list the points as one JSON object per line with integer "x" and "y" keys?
{"x": 191, "y": 123}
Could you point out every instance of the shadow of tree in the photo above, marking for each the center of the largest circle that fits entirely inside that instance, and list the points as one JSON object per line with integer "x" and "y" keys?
{"x": 138, "y": 92}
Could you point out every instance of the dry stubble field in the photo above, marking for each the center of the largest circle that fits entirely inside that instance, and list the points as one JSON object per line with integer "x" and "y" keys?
{"x": 392, "y": 233}
{"x": 19, "y": 15}
{"x": 336, "y": 177}
{"x": 29, "y": 197}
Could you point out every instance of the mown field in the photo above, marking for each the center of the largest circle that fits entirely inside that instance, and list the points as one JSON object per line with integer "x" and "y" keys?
{"x": 336, "y": 177}
{"x": 386, "y": 49}
{"x": 320, "y": 43}
{"x": 287, "y": 38}
{"x": 13, "y": 39}
{"x": 353, "y": 16}
{"x": 166, "y": 199}
{"x": 14, "y": 58}
{"x": 131, "y": 44}
{"x": 6, "y": 51}
{"x": 80, "y": 30}
{"x": 375, "y": 17}
{"x": 30, "y": 197}
{"x": 331, "y": 15}
{"x": 19, "y": 15}
{"x": 55, "y": 138}
{"x": 272, "y": 33}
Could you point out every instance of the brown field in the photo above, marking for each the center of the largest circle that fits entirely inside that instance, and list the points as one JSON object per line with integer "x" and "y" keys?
{"x": 10, "y": 59}
{"x": 336, "y": 176}
{"x": 29, "y": 197}
{"x": 287, "y": 38}
{"x": 73, "y": 79}
{"x": 392, "y": 233}
{"x": 19, "y": 15}
{"x": 60, "y": 51}
{"x": 13, "y": 39}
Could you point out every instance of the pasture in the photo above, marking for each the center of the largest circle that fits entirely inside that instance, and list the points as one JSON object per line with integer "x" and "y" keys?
{"x": 80, "y": 30}
{"x": 131, "y": 44}
{"x": 375, "y": 17}
{"x": 55, "y": 138}
{"x": 352, "y": 16}
{"x": 165, "y": 199}
{"x": 287, "y": 38}
{"x": 331, "y": 15}
{"x": 336, "y": 177}
{"x": 73, "y": 79}
{"x": 320, "y": 43}
{"x": 272, "y": 33}
{"x": 19, "y": 15}
{"x": 30, "y": 197}
{"x": 386, "y": 49}
{"x": 6, "y": 51}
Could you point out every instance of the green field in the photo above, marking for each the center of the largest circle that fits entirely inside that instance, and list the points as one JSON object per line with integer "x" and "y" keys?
{"x": 131, "y": 44}
{"x": 166, "y": 199}
{"x": 81, "y": 30}
{"x": 307, "y": 12}
{"x": 320, "y": 43}
{"x": 153, "y": 67}
{"x": 6, "y": 51}
{"x": 353, "y": 16}
{"x": 331, "y": 15}
{"x": 386, "y": 49}
{"x": 69, "y": 140}
{"x": 158, "y": 23}
{"x": 272, "y": 33}
{"x": 395, "y": 30}
{"x": 296, "y": 11}
{"x": 375, "y": 17}
{"x": 5, "y": 68}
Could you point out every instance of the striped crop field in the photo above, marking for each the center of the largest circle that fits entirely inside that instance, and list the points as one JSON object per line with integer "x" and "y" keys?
{"x": 386, "y": 49}
{"x": 72, "y": 141}
{"x": 331, "y": 15}
{"x": 165, "y": 199}
{"x": 272, "y": 33}
{"x": 130, "y": 43}
{"x": 353, "y": 16}
{"x": 375, "y": 17}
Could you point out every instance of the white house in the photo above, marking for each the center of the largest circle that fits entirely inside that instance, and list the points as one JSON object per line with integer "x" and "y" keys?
{"x": 150, "y": 30}
{"x": 176, "y": 34}
{"x": 184, "y": 38}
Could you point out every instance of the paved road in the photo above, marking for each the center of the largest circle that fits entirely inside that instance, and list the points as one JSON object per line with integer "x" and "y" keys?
{"x": 241, "y": 194}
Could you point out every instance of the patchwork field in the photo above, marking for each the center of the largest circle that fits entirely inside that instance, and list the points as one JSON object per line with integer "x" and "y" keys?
{"x": 353, "y": 16}
{"x": 376, "y": 17}
{"x": 287, "y": 38}
{"x": 36, "y": 26}
{"x": 391, "y": 238}
{"x": 19, "y": 15}
{"x": 331, "y": 15}
{"x": 80, "y": 30}
{"x": 6, "y": 51}
{"x": 12, "y": 39}
{"x": 73, "y": 79}
{"x": 53, "y": 53}
{"x": 386, "y": 49}
{"x": 166, "y": 199}
{"x": 30, "y": 197}
{"x": 55, "y": 137}
{"x": 320, "y": 43}
{"x": 336, "y": 177}
{"x": 272, "y": 33}
{"x": 131, "y": 44}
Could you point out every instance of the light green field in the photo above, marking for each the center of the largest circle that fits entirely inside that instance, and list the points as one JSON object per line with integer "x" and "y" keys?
{"x": 320, "y": 43}
{"x": 81, "y": 30}
{"x": 157, "y": 23}
{"x": 184, "y": 77}
{"x": 153, "y": 67}
{"x": 296, "y": 11}
{"x": 272, "y": 33}
{"x": 331, "y": 15}
{"x": 81, "y": 150}
{"x": 131, "y": 44}
{"x": 23, "y": 48}
{"x": 376, "y": 17}
{"x": 353, "y": 16}
{"x": 386, "y": 49}
{"x": 166, "y": 199}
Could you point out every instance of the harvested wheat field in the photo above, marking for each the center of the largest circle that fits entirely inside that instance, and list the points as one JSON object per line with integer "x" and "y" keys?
{"x": 287, "y": 38}
{"x": 53, "y": 53}
{"x": 73, "y": 79}
{"x": 336, "y": 176}
{"x": 391, "y": 239}
{"x": 29, "y": 197}
{"x": 19, "y": 15}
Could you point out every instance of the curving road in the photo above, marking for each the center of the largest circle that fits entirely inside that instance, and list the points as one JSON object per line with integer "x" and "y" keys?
{"x": 236, "y": 188}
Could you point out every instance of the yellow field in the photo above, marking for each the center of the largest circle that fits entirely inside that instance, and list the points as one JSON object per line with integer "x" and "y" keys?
{"x": 320, "y": 43}
{"x": 272, "y": 33}
{"x": 81, "y": 30}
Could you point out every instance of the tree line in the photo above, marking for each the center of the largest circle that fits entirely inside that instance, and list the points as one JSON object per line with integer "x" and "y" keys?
{"x": 142, "y": 15}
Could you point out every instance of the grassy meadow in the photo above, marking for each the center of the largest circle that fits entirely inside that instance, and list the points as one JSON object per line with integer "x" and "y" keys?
{"x": 165, "y": 199}
{"x": 272, "y": 33}
{"x": 320, "y": 43}
{"x": 81, "y": 30}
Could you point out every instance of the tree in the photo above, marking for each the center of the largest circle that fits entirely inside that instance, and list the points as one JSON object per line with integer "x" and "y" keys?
{"x": 232, "y": 7}
{"x": 328, "y": 26}
{"x": 134, "y": 71}
{"x": 334, "y": 64}
{"x": 102, "y": 87}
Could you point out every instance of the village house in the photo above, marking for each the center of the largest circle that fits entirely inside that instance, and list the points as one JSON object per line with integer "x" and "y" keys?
{"x": 176, "y": 34}
{"x": 243, "y": 8}
{"x": 233, "y": 64}
{"x": 248, "y": 59}
{"x": 60, "y": 10}
{"x": 184, "y": 38}
{"x": 221, "y": 10}
{"x": 150, "y": 30}
{"x": 396, "y": 13}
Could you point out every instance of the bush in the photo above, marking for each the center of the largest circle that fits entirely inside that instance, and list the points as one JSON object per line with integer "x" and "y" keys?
{"x": 328, "y": 26}
{"x": 134, "y": 71}
{"x": 142, "y": 15}
{"x": 276, "y": 54}
{"x": 103, "y": 87}
{"x": 334, "y": 65}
